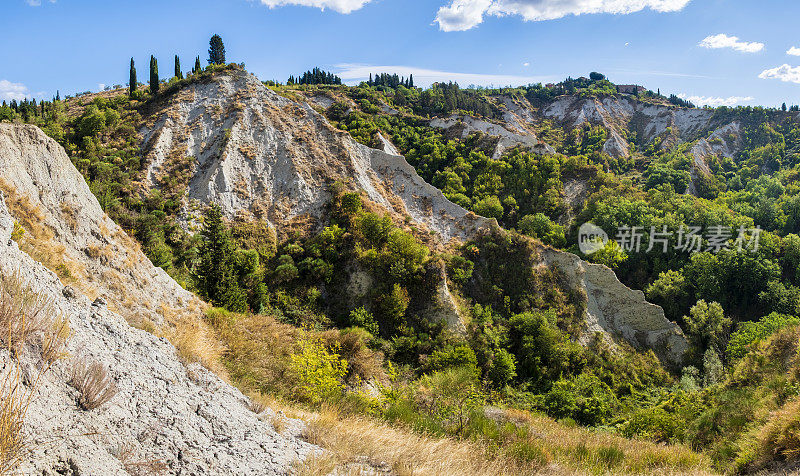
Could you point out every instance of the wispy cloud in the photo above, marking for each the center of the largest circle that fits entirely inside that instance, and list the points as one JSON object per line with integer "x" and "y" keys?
{"x": 341, "y": 6}
{"x": 37, "y": 3}
{"x": 786, "y": 73}
{"x": 9, "y": 91}
{"x": 793, "y": 51}
{"x": 353, "y": 73}
{"x": 716, "y": 101}
{"x": 724, "y": 41}
{"x": 460, "y": 15}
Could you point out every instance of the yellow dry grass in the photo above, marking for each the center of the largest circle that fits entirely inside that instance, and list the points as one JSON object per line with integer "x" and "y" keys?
{"x": 563, "y": 450}
{"x": 193, "y": 339}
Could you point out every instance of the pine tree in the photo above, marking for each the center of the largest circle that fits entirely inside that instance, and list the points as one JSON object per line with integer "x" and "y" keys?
{"x": 154, "y": 83}
{"x": 216, "y": 52}
{"x": 216, "y": 274}
{"x": 197, "y": 66}
{"x": 133, "y": 82}
{"x": 178, "y": 73}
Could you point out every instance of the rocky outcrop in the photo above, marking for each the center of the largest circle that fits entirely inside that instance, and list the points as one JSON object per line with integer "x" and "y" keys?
{"x": 616, "y": 311}
{"x": 618, "y": 114}
{"x": 463, "y": 126}
{"x": 250, "y": 149}
{"x": 67, "y": 229}
{"x": 165, "y": 417}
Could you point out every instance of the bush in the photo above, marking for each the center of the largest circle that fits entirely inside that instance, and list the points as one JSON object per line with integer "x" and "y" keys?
{"x": 451, "y": 396}
{"x": 319, "y": 371}
{"x": 540, "y": 226}
{"x": 93, "y": 383}
{"x": 362, "y": 318}
{"x": 585, "y": 398}
{"x": 654, "y": 424}
{"x": 749, "y": 333}
{"x": 459, "y": 356}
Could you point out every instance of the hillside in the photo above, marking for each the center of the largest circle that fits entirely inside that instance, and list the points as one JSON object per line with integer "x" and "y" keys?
{"x": 381, "y": 253}
{"x": 165, "y": 414}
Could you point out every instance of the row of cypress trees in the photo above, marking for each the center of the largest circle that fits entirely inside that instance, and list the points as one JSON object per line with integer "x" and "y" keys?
{"x": 216, "y": 55}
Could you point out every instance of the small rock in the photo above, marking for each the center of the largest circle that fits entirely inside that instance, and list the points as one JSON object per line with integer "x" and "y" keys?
{"x": 69, "y": 292}
{"x": 99, "y": 302}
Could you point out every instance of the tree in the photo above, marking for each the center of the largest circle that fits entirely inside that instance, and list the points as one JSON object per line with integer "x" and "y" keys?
{"x": 178, "y": 73}
{"x": 154, "y": 83}
{"x": 133, "y": 81}
{"x": 708, "y": 326}
{"x": 216, "y": 277}
{"x": 595, "y": 76}
{"x": 197, "y": 66}
{"x": 216, "y": 52}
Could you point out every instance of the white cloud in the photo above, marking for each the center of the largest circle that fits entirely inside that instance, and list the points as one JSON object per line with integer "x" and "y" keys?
{"x": 716, "y": 101}
{"x": 786, "y": 73}
{"x": 354, "y": 73}
{"x": 9, "y": 91}
{"x": 37, "y": 3}
{"x": 793, "y": 51}
{"x": 462, "y": 15}
{"x": 724, "y": 41}
{"x": 526, "y": 64}
{"x": 341, "y": 6}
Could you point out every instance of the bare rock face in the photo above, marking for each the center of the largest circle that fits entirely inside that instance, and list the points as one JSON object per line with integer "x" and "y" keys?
{"x": 69, "y": 231}
{"x": 251, "y": 150}
{"x": 617, "y": 311}
{"x": 182, "y": 420}
{"x": 507, "y": 137}
{"x": 615, "y": 114}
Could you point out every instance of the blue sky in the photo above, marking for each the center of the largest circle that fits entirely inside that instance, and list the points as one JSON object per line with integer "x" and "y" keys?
{"x": 711, "y": 51}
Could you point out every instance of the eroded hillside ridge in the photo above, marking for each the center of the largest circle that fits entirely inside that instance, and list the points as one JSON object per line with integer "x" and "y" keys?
{"x": 180, "y": 419}
{"x": 256, "y": 152}
{"x": 66, "y": 228}
{"x": 617, "y": 311}
{"x": 242, "y": 146}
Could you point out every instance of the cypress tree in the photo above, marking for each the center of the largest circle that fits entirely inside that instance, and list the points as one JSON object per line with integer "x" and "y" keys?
{"x": 131, "y": 85}
{"x": 216, "y": 273}
{"x": 216, "y": 51}
{"x": 154, "y": 84}
{"x": 197, "y": 66}
{"x": 178, "y": 73}
{"x": 410, "y": 80}
{"x": 58, "y": 96}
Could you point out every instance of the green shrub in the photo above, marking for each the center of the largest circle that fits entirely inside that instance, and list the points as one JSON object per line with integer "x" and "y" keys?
{"x": 654, "y": 424}
{"x": 319, "y": 371}
{"x": 610, "y": 456}
{"x": 585, "y": 398}
{"x": 749, "y": 333}
{"x": 360, "y": 317}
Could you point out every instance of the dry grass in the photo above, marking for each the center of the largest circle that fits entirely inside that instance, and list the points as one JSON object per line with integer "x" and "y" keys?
{"x": 556, "y": 449}
{"x": 347, "y": 438}
{"x": 193, "y": 339}
{"x": 27, "y": 321}
{"x": 779, "y": 438}
{"x": 92, "y": 381}
{"x": 14, "y": 402}
{"x": 127, "y": 455}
